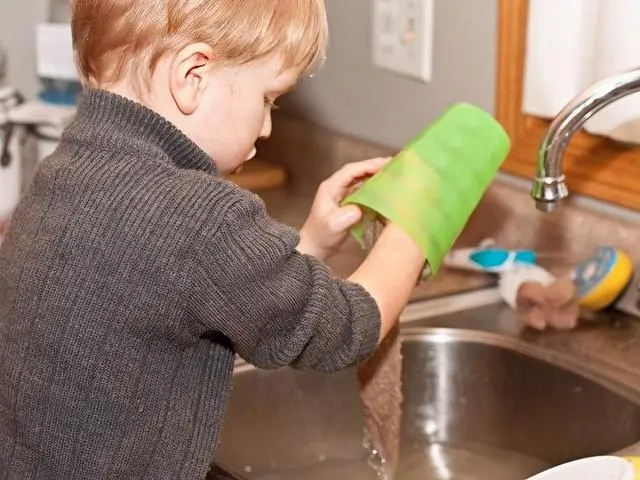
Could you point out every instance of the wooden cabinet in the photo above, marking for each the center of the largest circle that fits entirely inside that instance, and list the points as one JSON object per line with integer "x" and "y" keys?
{"x": 594, "y": 166}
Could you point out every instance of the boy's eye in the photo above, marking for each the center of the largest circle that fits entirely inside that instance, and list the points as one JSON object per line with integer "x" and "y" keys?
{"x": 270, "y": 103}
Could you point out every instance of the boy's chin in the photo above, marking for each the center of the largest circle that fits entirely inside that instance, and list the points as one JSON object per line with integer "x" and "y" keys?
{"x": 237, "y": 170}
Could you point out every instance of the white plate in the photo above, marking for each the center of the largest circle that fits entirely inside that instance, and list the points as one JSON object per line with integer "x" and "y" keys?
{"x": 593, "y": 468}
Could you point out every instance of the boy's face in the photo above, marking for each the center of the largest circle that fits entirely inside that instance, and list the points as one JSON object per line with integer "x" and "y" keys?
{"x": 232, "y": 108}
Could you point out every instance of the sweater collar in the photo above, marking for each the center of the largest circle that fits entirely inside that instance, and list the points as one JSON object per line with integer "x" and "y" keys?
{"x": 118, "y": 123}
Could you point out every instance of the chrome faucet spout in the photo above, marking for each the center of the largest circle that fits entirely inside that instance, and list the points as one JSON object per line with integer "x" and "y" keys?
{"x": 549, "y": 186}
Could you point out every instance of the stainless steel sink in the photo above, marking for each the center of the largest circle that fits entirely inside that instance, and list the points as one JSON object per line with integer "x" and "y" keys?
{"x": 477, "y": 405}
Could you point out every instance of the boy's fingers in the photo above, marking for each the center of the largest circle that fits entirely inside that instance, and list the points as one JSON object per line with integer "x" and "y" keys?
{"x": 340, "y": 181}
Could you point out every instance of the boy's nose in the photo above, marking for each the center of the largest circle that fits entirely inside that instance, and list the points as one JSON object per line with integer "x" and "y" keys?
{"x": 266, "y": 126}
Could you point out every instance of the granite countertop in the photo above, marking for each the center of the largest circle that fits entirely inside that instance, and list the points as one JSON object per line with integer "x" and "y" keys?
{"x": 292, "y": 208}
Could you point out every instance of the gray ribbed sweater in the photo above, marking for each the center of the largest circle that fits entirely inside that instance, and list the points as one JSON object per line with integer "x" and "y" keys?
{"x": 129, "y": 278}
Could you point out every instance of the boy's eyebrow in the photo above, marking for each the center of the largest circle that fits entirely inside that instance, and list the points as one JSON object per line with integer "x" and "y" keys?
{"x": 285, "y": 89}
{"x": 290, "y": 87}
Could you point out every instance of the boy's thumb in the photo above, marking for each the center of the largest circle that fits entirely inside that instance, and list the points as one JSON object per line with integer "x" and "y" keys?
{"x": 345, "y": 217}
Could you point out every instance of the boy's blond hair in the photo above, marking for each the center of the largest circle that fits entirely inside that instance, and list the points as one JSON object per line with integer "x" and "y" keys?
{"x": 112, "y": 36}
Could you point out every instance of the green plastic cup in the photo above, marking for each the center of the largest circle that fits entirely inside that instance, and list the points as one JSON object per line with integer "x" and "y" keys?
{"x": 433, "y": 185}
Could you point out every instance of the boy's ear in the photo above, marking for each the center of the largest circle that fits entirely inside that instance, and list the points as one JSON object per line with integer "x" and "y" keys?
{"x": 188, "y": 79}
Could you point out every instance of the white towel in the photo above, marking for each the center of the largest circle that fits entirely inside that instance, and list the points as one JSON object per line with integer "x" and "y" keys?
{"x": 571, "y": 45}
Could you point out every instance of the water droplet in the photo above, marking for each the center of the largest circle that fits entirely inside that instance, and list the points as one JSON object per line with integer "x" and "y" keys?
{"x": 375, "y": 458}
{"x": 430, "y": 428}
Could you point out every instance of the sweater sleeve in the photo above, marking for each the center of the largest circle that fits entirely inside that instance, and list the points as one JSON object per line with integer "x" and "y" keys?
{"x": 277, "y": 306}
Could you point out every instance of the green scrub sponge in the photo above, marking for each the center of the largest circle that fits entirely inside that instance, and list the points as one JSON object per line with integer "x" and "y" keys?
{"x": 431, "y": 187}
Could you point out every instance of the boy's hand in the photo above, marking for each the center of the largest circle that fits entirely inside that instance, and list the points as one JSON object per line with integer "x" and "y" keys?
{"x": 328, "y": 223}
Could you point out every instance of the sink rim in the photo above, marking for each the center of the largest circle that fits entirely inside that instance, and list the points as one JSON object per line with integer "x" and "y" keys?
{"x": 605, "y": 375}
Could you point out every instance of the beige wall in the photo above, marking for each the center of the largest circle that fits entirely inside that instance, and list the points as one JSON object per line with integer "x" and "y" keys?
{"x": 351, "y": 96}
{"x": 18, "y": 19}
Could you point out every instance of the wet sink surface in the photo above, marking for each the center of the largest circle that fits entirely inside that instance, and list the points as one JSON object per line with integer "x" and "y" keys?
{"x": 476, "y": 406}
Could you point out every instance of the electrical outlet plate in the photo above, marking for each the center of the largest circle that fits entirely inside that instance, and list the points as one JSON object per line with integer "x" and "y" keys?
{"x": 403, "y": 37}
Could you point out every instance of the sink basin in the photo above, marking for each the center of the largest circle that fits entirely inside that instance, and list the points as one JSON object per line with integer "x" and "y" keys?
{"x": 477, "y": 405}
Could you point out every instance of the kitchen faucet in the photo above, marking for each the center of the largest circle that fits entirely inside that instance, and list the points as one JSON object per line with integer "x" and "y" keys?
{"x": 549, "y": 186}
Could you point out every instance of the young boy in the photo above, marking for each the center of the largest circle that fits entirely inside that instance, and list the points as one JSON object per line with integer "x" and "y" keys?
{"x": 133, "y": 272}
